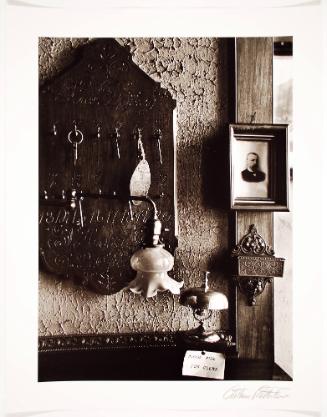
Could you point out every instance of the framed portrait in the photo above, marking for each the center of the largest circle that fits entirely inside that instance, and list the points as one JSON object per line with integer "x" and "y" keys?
{"x": 259, "y": 174}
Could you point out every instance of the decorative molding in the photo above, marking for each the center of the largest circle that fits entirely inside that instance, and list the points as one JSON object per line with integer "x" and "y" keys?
{"x": 106, "y": 341}
{"x": 130, "y": 341}
{"x": 253, "y": 243}
{"x": 260, "y": 266}
{"x": 252, "y": 287}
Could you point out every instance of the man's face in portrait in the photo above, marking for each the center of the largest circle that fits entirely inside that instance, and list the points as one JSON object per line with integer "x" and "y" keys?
{"x": 252, "y": 161}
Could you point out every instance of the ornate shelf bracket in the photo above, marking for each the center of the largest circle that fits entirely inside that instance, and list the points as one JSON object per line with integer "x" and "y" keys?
{"x": 254, "y": 265}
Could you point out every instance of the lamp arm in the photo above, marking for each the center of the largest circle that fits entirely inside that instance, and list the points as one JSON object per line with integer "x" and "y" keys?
{"x": 149, "y": 200}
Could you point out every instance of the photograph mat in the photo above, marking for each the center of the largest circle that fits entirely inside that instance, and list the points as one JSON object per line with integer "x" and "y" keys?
{"x": 23, "y": 393}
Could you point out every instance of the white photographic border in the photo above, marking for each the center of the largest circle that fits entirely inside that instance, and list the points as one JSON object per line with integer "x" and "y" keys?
{"x": 23, "y": 394}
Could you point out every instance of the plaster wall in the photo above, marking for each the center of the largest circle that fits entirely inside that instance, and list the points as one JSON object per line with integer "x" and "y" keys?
{"x": 195, "y": 71}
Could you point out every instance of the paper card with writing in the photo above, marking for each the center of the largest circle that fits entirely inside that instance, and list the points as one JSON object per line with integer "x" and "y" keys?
{"x": 204, "y": 364}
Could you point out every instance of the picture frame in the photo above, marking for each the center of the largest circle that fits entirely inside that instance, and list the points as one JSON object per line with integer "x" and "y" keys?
{"x": 259, "y": 173}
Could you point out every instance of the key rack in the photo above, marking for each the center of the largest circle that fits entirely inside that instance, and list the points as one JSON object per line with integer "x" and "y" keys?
{"x": 106, "y": 154}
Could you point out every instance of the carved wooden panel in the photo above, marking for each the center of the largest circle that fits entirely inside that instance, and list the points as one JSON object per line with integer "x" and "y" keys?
{"x": 107, "y": 98}
{"x": 253, "y": 257}
{"x": 259, "y": 266}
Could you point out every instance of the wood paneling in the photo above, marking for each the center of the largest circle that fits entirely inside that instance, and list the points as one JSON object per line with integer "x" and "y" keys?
{"x": 254, "y": 104}
{"x": 254, "y": 80}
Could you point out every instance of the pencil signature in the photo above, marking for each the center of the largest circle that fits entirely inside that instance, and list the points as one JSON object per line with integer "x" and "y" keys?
{"x": 265, "y": 392}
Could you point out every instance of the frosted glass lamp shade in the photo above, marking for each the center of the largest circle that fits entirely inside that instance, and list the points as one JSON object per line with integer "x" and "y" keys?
{"x": 152, "y": 265}
{"x": 152, "y": 259}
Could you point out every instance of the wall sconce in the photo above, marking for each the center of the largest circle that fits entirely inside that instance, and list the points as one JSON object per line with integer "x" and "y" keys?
{"x": 203, "y": 301}
{"x": 254, "y": 265}
{"x": 152, "y": 263}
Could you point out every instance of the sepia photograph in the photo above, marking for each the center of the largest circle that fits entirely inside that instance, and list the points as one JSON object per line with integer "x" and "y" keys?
{"x": 259, "y": 167}
{"x": 252, "y": 168}
{"x": 128, "y": 272}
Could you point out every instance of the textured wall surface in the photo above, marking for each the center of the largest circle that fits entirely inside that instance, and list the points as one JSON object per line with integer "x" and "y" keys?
{"x": 195, "y": 71}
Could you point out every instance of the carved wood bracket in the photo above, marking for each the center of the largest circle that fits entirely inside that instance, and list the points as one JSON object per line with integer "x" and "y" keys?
{"x": 254, "y": 265}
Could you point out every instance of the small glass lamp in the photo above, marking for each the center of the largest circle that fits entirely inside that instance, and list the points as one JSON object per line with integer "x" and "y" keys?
{"x": 203, "y": 301}
{"x": 152, "y": 264}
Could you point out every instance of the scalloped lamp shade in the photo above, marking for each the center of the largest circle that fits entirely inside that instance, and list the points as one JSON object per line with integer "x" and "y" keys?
{"x": 152, "y": 265}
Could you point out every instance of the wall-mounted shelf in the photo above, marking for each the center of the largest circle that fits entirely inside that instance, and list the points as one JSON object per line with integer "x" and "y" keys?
{"x": 254, "y": 265}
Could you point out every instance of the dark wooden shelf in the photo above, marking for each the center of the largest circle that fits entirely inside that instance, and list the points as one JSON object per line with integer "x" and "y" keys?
{"x": 136, "y": 357}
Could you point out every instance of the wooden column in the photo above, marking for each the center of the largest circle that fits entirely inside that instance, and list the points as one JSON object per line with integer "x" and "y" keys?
{"x": 254, "y": 88}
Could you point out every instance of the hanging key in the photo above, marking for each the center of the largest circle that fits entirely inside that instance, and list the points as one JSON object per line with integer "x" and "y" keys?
{"x": 80, "y": 211}
{"x": 159, "y": 145}
{"x": 75, "y": 145}
{"x": 75, "y": 137}
{"x": 117, "y": 136}
{"x": 130, "y": 209}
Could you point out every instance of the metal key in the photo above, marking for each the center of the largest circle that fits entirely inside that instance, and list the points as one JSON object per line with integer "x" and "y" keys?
{"x": 159, "y": 146}
{"x": 130, "y": 209}
{"x": 80, "y": 211}
{"x": 75, "y": 137}
{"x": 75, "y": 145}
{"x": 117, "y": 136}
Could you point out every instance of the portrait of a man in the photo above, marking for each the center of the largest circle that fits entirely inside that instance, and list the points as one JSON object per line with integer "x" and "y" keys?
{"x": 252, "y": 173}
{"x": 250, "y": 169}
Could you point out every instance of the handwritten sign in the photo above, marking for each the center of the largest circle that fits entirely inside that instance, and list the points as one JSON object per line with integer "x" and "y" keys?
{"x": 204, "y": 364}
